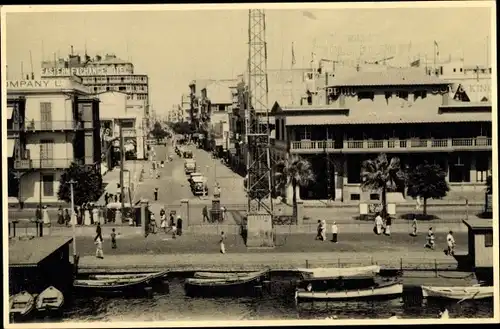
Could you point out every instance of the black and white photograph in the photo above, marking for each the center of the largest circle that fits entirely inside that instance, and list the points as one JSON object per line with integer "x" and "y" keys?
{"x": 249, "y": 164}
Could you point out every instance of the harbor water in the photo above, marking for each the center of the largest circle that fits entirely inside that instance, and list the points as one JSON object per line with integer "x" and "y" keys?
{"x": 276, "y": 303}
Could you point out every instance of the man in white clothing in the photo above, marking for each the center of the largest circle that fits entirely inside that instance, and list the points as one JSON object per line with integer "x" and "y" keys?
{"x": 335, "y": 231}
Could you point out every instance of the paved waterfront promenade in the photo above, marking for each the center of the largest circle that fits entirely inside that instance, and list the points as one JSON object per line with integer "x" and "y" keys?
{"x": 415, "y": 260}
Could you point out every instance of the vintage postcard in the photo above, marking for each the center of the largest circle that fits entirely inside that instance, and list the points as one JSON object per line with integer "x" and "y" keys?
{"x": 256, "y": 164}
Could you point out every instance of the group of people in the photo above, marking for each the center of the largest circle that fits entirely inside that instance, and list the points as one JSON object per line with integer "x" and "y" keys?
{"x": 321, "y": 233}
{"x": 86, "y": 214}
{"x": 212, "y": 219}
{"x": 42, "y": 215}
{"x": 98, "y": 240}
{"x": 167, "y": 225}
{"x": 382, "y": 225}
{"x": 431, "y": 239}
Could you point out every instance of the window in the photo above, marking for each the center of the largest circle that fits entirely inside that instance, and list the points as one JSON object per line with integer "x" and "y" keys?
{"x": 481, "y": 167}
{"x": 366, "y": 95}
{"x": 402, "y": 94}
{"x": 128, "y": 124}
{"x": 95, "y": 89}
{"x": 278, "y": 129}
{"x": 48, "y": 185}
{"x": 222, "y": 108}
{"x": 420, "y": 94}
{"x": 488, "y": 239}
{"x": 305, "y": 134}
{"x": 46, "y": 115}
{"x": 355, "y": 197}
{"x": 107, "y": 88}
{"x": 122, "y": 88}
{"x": 461, "y": 69}
{"x": 459, "y": 169}
{"x": 353, "y": 170}
{"x": 374, "y": 196}
{"x": 454, "y": 70}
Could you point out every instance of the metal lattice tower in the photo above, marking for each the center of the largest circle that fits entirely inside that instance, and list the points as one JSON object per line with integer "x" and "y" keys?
{"x": 257, "y": 116}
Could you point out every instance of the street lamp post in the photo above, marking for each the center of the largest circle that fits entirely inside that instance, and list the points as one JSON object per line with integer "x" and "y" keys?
{"x": 73, "y": 217}
{"x": 40, "y": 182}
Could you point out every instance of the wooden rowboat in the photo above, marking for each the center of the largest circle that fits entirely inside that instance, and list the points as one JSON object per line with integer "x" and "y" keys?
{"x": 21, "y": 304}
{"x": 51, "y": 299}
{"x": 226, "y": 275}
{"x": 223, "y": 286}
{"x": 381, "y": 291}
{"x": 319, "y": 272}
{"x": 116, "y": 283}
{"x": 459, "y": 293}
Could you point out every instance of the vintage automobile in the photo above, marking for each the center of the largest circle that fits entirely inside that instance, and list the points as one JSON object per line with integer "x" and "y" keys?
{"x": 199, "y": 185}
{"x": 189, "y": 166}
{"x": 187, "y": 154}
{"x": 193, "y": 175}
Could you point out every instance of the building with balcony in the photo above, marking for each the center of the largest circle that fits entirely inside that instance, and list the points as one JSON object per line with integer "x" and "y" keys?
{"x": 101, "y": 74}
{"x": 51, "y": 124}
{"x": 400, "y": 112}
{"x": 117, "y": 109}
{"x": 184, "y": 109}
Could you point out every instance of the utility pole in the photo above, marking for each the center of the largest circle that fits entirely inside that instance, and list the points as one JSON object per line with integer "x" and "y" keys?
{"x": 40, "y": 182}
{"x": 73, "y": 217}
{"x": 122, "y": 168}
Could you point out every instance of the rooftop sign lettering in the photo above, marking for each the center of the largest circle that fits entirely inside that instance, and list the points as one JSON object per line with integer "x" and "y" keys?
{"x": 27, "y": 84}
{"x": 83, "y": 71}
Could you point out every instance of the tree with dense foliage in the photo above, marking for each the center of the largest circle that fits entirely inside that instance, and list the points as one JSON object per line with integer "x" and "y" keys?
{"x": 295, "y": 171}
{"x": 88, "y": 185}
{"x": 158, "y": 131}
{"x": 382, "y": 175}
{"x": 427, "y": 181}
{"x": 182, "y": 128}
{"x": 489, "y": 185}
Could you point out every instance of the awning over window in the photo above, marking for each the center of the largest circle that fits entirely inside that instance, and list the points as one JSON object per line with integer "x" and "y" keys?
{"x": 10, "y": 147}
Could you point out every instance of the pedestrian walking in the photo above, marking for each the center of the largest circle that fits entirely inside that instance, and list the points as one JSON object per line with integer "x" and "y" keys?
{"x": 430, "y": 239}
{"x": 335, "y": 231}
{"x": 95, "y": 215}
{"x": 174, "y": 230}
{"x": 323, "y": 230}
{"x": 414, "y": 226}
{"x": 45, "y": 215}
{"x": 378, "y": 224}
{"x": 163, "y": 220}
{"x": 172, "y": 220}
{"x": 98, "y": 232}
{"x": 67, "y": 217}
{"x": 60, "y": 215}
{"x": 38, "y": 213}
{"x": 179, "y": 225}
{"x": 318, "y": 232}
{"x": 388, "y": 223}
{"x": 152, "y": 224}
{"x": 205, "y": 214}
{"x": 155, "y": 192}
{"x": 98, "y": 252}
{"x": 113, "y": 239}
{"x": 418, "y": 203}
{"x": 86, "y": 214}
{"x": 450, "y": 240}
{"x": 221, "y": 243}
{"x": 222, "y": 213}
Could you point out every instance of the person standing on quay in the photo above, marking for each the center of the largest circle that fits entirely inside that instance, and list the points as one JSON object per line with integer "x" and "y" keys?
{"x": 388, "y": 223}
{"x": 60, "y": 215}
{"x": 205, "y": 214}
{"x": 45, "y": 214}
{"x": 113, "y": 239}
{"x": 179, "y": 225}
{"x": 414, "y": 226}
{"x": 156, "y": 193}
{"x": 335, "y": 231}
{"x": 38, "y": 213}
{"x": 98, "y": 232}
{"x": 378, "y": 224}
{"x": 450, "y": 240}
{"x": 221, "y": 242}
{"x": 67, "y": 217}
{"x": 98, "y": 252}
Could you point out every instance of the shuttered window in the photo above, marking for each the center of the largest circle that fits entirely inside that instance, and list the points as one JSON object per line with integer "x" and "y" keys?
{"x": 48, "y": 185}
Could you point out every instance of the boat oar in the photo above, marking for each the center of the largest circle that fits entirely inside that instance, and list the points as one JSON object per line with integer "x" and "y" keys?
{"x": 465, "y": 298}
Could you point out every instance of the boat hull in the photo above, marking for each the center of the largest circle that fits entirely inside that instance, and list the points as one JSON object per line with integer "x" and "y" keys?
{"x": 116, "y": 284}
{"x": 21, "y": 305}
{"x": 220, "y": 275}
{"x": 319, "y": 273}
{"x": 390, "y": 291}
{"x": 221, "y": 287}
{"x": 50, "y": 300}
{"x": 457, "y": 293}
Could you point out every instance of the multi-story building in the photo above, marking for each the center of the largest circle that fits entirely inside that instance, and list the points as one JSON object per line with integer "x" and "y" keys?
{"x": 401, "y": 112}
{"x": 185, "y": 108}
{"x": 102, "y": 74}
{"x": 220, "y": 96}
{"x": 117, "y": 110}
{"x": 51, "y": 123}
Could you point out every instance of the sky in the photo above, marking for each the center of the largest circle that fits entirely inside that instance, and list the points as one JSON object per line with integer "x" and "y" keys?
{"x": 174, "y": 47}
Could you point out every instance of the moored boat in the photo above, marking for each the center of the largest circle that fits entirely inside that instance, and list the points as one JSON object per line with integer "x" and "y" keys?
{"x": 21, "y": 304}
{"x": 320, "y": 272}
{"x": 51, "y": 299}
{"x": 116, "y": 283}
{"x": 226, "y": 275}
{"x": 386, "y": 290}
{"x": 222, "y": 286}
{"x": 459, "y": 293}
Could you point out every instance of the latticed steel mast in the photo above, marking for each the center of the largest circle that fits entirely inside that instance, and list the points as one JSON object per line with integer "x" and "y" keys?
{"x": 257, "y": 116}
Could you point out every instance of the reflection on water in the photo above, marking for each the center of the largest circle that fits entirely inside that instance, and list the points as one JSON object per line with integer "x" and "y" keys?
{"x": 276, "y": 305}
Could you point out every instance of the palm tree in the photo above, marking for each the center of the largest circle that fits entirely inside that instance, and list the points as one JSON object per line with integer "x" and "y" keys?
{"x": 295, "y": 171}
{"x": 381, "y": 175}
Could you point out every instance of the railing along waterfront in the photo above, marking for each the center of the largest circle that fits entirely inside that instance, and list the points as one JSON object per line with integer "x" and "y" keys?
{"x": 387, "y": 144}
